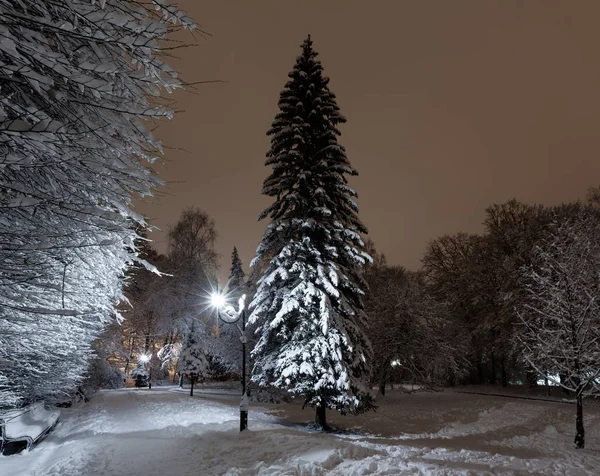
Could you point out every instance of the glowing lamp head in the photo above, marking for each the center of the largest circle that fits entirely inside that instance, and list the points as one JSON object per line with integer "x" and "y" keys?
{"x": 144, "y": 358}
{"x": 217, "y": 300}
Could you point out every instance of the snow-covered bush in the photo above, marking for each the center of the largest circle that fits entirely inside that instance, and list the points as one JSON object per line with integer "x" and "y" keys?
{"x": 193, "y": 361}
{"x": 269, "y": 395}
{"x": 103, "y": 375}
{"x": 141, "y": 375}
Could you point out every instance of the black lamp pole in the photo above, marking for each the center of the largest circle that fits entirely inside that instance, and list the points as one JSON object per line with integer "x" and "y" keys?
{"x": 244, "y": 401}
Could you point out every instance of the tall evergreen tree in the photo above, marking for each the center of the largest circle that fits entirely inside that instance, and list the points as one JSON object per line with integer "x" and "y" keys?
{"x": 236, "y": 276}
{"x": 308, "y": 307}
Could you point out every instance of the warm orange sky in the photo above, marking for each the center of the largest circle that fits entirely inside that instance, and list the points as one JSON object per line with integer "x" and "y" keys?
{"x": 451, "y": 106}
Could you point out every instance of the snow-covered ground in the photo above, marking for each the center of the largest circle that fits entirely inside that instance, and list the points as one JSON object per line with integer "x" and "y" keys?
{"x": 164, "y": 431}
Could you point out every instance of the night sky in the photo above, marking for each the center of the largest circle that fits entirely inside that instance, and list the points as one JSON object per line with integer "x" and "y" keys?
{"x": 451, "y": 106}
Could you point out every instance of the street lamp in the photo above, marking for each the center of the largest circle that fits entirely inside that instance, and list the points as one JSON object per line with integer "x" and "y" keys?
{"x": 217, "y": 300}
{"x": 231, "y": 316}
{"x": 145, "y": 359}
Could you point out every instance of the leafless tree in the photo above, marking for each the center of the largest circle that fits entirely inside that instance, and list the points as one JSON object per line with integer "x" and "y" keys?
{"x": 560, "y": 338}
{"x": 411, "y": 331}
{"x": 192, "y": 239}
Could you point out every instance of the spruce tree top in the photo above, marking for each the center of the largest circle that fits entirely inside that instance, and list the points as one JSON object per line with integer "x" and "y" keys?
{"x": 309, "y": 166}
{"x": 236, "y": 276}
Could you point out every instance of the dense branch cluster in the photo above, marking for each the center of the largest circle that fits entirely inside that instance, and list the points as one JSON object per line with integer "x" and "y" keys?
{"x": 560, "y": 314}
{"x": 171, "y": 313}
{"x": 525, "y": 296}
{"x": 78, "y": 79}
{"x": 413, "y": 336}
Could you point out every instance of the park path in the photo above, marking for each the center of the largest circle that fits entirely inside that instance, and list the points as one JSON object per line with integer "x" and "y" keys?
{"x": 163, "y": 431}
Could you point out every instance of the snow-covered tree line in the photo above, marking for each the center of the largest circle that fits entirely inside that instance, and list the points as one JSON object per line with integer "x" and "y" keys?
{"x": 479, "y": 278}
{"x": 168, "y": 316}
{"x": 78, "y": 80}
{"x": 412, "y": 333}
{"x": 525, "y": 296}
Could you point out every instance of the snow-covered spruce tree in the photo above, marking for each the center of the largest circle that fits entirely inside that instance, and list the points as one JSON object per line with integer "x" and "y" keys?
{"x": 192, "y": 359}
{"x": 561, "y": 309}
{"x": 308, "y": 306}
{"x": 224, "y": 344}
{"x": 236, "y": 276}
{"x": 141, "y": 375}
{"x": 77, "y": 79}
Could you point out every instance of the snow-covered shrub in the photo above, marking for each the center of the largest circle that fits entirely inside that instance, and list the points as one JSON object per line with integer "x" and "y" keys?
{"x": 193, "y": 360}
{"x": 269, "y": 395}
{"x": 141, "y": 375}
{"x": 217, "y": 368}
{"x": 103, "y": 375}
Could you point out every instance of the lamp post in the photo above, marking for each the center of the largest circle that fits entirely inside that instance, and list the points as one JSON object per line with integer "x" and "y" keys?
{"x": 233, "y": 316}
{"x": 145, "y": 359}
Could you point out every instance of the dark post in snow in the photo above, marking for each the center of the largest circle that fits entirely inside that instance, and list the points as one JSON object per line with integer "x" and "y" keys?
{"x": 244, "y": 402}
{"x": 579, "y": 430}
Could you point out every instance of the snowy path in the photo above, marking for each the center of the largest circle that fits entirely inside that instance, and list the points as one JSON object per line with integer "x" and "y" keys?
{"x": 164, "y": 432}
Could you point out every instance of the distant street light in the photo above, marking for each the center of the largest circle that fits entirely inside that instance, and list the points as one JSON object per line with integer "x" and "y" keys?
{"x": 217, "y": 300}
{"x": 231, "y": 316}
{"x": 145, "y": 359}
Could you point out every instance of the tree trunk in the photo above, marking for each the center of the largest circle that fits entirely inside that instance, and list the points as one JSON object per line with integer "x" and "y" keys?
{"x": 563, "y": 380}
{"x": 580, "y": 432}
{"x": 503, "y": 373}
{"x": 493, "y": 379}
{"x": 548, "y": 386}
{"x": 320, "y": 418}
{"x": 130, "y": 355}
{"x": 479, "y": 370}
{"x": 385, "y": 372}
{"x": 531, "y": 376}
{"x": 192, "y": 387}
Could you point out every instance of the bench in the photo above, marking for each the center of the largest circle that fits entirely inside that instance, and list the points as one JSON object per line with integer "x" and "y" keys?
{"x": 21, "y": 429}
